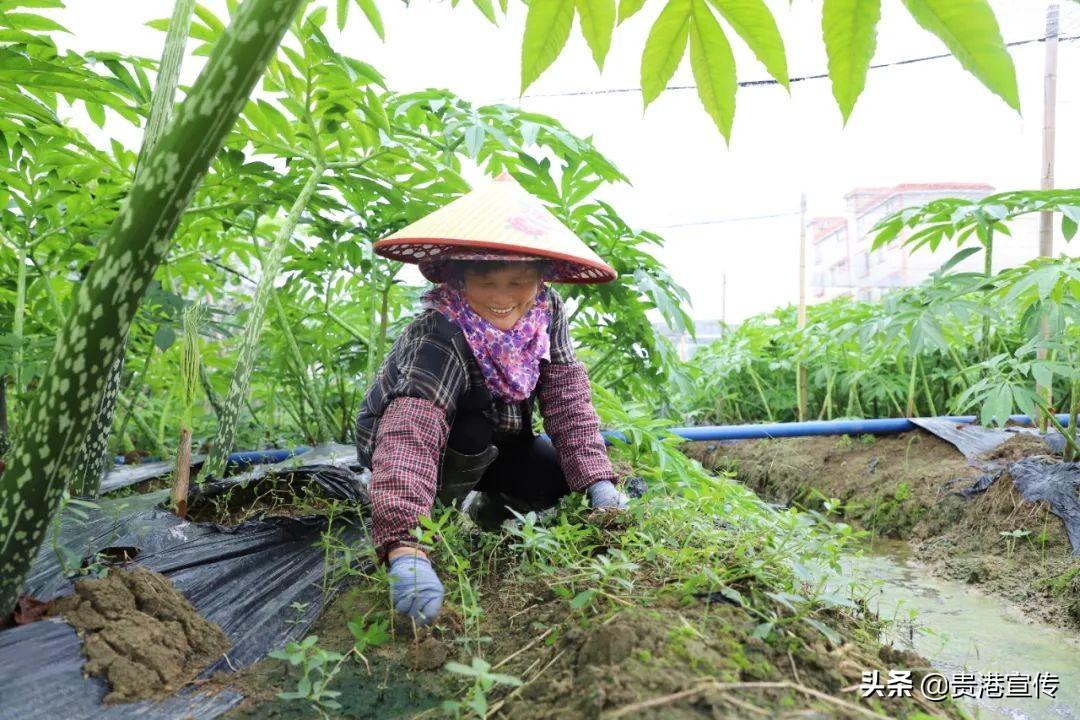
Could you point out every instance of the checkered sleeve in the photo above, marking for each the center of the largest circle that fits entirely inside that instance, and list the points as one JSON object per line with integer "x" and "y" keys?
{"x": 404, "y": 468}
{"x": 562, "y": 347}
{"x": 566, "y": 407}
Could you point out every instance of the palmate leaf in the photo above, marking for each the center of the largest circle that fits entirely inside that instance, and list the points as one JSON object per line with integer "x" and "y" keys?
{"x": 849, "y": 28}
{"x": 664, "y": 48}
{"x": 597, "y": 18}
{"x": 713, "y": 66}
{"x": 547, "y": 28}
{"x": 754, "y": 23}
{"x": 970, "y": 31}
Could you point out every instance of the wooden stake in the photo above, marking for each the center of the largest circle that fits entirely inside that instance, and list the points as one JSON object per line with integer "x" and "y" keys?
{"x": 183, "y": 473}
{"x": 1046, "y": 219}
{"x": 801, "y": 380}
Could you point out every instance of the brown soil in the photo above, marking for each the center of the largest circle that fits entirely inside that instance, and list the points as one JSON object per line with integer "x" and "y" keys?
{"x": 1018, "y": 447}
{"x": 903, "y": 487}
{"x": 897, "y": 486}
{"x": 140, "y": 634}
{"x": 694, "y": 661}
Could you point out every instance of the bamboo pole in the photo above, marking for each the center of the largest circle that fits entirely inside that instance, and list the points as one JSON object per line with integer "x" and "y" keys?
{"x": 801, "y": 380}
{"x": 1046, "y": 219}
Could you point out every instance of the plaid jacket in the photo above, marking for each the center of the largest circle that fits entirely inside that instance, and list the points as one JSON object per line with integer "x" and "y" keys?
{"x": 405, "y": 418}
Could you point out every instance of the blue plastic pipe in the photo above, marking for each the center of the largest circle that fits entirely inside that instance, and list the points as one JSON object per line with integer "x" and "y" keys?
{"x": 880, "y": 426}
{"x": 263, "y": 457}
{"x": 247, "y": 457}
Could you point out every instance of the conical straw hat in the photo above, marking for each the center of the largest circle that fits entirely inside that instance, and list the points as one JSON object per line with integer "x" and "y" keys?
{"x": 498, "y": 220}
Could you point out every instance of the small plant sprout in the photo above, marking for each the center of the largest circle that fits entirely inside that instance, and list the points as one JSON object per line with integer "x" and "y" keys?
{"x": 475, "y": 704}
{"x": 1011, "y": 536}
{"x": 315, "y": 663}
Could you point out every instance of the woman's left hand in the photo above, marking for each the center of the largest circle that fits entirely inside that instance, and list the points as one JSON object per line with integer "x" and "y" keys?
{"x": 603, "y": 495}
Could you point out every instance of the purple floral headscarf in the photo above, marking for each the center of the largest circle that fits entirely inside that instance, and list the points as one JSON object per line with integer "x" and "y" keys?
{"x": 509, "y": 359}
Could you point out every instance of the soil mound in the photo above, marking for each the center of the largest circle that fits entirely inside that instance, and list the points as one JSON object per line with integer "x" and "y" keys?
{"x": 901, "y": 486}
{"x": 140, "y": 634}
{"x": 1018, "y": 447}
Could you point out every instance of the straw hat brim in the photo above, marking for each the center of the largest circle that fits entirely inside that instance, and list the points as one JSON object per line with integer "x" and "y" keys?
{"x": 433, "y": 255}
{"x": 500, "y": 217}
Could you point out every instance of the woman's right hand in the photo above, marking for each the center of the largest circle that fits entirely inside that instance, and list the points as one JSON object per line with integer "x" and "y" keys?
{"x": 414, "y": 586}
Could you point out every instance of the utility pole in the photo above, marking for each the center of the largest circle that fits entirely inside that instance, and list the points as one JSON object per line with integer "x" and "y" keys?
{"x": 723, "y": 299}
{"x": 800, "y": 381}
{"x": 1046, "y": 219}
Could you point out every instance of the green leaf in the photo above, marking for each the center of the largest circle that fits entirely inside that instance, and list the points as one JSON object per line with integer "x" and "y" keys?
{"x": 830, "y": 634}
{"x": 28, "y": 21}
{"x": 209, "y": 19}
{"x": 629, "y": 8}
{"x": 958, "y": 258}
{"x": 582, "y": 599}
{"x": 371, "y": 12}
{"x": 664, "y": 48}
{"x": 376, "y": 111}
{"x": 96, "y": 113}
{"x": 754, "y": 23}
{"x": 342, "y": 14}
{"x": 970, "y": 31}
{"x": 850, "y": 31}
{"x": 164, "y": 337}
{"x": 547, "y": 27}
{"x": 713, "y": 66}
{"x": 485, "y": 7}
{"x": 597, "y": 18}
{"x": 1070, "y": 220}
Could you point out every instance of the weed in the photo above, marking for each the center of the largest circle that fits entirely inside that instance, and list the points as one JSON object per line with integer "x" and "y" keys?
{"x": 298, "y": 608}
{"x": 321, "y": 666}
{"x": 475, "y": 703}
{"x": 903, "y": 492}
{"x": 1011, "y": 536}
{"x": 1061, "y": 583}
{"x": 315, "y": 662}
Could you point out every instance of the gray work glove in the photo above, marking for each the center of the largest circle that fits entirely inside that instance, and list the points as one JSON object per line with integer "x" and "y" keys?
{"x": 415, "y": 588}
{"x": 604, "y": 495}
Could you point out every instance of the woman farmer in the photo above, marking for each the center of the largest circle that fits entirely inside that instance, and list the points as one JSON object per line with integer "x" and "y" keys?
{"x": 451, "y": 406}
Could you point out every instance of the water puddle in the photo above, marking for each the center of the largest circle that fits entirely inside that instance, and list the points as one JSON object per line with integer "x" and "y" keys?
{"x": 964, "y": 631}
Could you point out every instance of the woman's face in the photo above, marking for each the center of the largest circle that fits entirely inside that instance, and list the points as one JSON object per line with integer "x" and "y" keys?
{"x": 502, "y": 296}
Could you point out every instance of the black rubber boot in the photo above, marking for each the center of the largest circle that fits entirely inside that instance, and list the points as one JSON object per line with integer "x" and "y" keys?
{"x": 461, "y": 473}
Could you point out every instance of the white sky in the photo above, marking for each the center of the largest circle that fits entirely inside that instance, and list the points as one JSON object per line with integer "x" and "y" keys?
{"x": 926, "y": 122}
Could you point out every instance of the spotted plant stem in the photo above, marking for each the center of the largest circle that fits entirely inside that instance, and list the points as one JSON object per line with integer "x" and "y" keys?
{"x": 93, "y": 458}
{"x": 249, "y": 345}
{"x": 48, "y": 445}
{"x": 311, "y": 393}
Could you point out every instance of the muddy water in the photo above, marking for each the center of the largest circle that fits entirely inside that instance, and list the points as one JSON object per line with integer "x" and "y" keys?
{"x": 964, "y": 631}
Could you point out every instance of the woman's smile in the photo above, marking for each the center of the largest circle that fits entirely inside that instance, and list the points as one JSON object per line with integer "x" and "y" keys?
{"x": 502, "y": 296}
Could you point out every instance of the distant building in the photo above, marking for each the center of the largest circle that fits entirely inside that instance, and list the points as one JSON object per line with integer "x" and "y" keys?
{"x": 840, "y": 259}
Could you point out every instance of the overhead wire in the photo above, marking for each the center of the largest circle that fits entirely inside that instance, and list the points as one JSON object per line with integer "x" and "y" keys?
{"x": 770, "y": 81}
